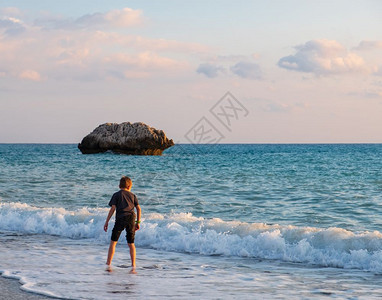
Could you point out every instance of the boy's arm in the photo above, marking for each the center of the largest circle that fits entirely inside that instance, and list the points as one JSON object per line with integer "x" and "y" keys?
{"x": 111, "y": 212}
{"x": 138, "y": 208}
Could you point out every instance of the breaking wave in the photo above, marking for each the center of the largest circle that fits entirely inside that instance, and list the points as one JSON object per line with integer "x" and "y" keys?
{"x": 183, "y": 232}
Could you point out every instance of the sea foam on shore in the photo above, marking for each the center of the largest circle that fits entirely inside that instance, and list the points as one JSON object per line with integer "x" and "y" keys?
{"x": 329, "y": 247}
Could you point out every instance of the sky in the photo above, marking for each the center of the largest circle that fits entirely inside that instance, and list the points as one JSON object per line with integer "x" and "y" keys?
{"x": 292, "y": 71}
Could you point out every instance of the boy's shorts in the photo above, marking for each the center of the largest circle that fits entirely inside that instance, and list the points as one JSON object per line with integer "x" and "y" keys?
{"x": 128, "y": 223}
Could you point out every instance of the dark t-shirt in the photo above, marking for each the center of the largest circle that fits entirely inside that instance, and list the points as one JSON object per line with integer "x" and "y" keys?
{"x": 125, "y": 202}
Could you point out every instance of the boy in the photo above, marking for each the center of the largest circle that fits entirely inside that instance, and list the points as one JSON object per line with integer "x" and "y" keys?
{"x": 123, "y": 202}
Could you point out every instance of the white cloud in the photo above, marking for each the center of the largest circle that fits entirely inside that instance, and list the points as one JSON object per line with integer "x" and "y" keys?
{"x": 10, "y": 11}
{"x": 210, "y": 70}
{"x": 56, "y": 53}
{"x": 369, "y": 45}
{"x": 30, "y": 75}
{"x": 378, "y": 71}
{"x": 238, "y": 65}
{"x": 224, "y": 58}
{"x": 255, "y": 55}
{"x": 11, "y": 26}
{"x": 117, "y": 66}
{"x": 367, "y": 93}
{"x": 141, "y": 64}
{"x": 247, "y": 70}
{"x": 125, "y": 17}
{"x": 322, "y": 57}
{"x": 147, "y": 43}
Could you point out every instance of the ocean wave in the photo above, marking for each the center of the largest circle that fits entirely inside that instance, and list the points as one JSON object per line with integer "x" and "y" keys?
{"x": 24, "y": 218}
{"x": 183, "y": 232}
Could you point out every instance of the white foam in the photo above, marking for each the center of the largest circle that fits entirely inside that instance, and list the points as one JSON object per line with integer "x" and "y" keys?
{"x": 186, "y": 233}
{"x": 27, "y": 285}
{"x": 333, "y": 247}
{"x": 24, "y": 218}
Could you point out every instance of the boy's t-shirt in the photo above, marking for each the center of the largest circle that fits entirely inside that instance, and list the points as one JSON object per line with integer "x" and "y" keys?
{"x": 125, "y": 202}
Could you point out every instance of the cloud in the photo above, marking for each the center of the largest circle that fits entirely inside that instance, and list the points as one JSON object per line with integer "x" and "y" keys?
{"x": 275, "y": 106}
{"x": 117, "y": 18}
{"x": 322, "y": 57}
{"x": 140, "y": 63}
{"x": 247, "y": 70}
{"x": 10, "y": 11}
{"x": 373, "y": 94}
{"x": 147, "y": 43}
{"x": 54, "y": 53}
{"x": 123, "y": 18}
{"x": 378, "y": 71}
{"x": 210, "y": 70}
{"x": 239, "y": 65}
{"x": 367, "y": 93}
{"x": 30, "y": 75}
{"x": 224, "y": 58}
{"x": 369, "y": 45}
{"x": 84, "y": 66}
{"x": 11, "y": 26}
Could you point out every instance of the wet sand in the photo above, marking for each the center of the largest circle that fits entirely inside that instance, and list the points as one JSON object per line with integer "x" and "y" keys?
{"x": 10, "y": 290}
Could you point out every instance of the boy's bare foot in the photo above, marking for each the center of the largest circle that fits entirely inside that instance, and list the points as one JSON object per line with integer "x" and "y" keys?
{"x": 133, "y": 270}
{"x": 108, "y": 268}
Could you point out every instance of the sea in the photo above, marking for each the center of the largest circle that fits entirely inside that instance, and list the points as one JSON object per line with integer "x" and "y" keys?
{"x": 224, "y": 221}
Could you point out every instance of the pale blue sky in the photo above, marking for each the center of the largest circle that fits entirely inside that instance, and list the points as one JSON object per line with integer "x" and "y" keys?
{"x": 307, "y": 71}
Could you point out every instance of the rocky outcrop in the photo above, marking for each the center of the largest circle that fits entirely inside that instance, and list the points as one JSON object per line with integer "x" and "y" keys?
{"x": 127, "y": 138}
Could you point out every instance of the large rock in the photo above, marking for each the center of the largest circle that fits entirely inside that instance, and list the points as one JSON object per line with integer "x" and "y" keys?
{"x": 127, "y": 138}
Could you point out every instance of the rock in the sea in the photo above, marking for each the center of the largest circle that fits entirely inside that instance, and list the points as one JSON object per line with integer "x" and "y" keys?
{"x": 127, "y": 138}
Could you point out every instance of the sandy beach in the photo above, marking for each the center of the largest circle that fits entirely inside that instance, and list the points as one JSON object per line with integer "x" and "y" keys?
{"x": 10, "y": 290}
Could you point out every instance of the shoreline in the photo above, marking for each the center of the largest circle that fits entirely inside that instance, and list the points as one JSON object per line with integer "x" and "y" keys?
{"x": 11, "y": 290}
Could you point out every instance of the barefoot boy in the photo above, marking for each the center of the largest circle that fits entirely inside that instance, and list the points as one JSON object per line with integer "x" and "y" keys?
{"x": 124, "y": 202}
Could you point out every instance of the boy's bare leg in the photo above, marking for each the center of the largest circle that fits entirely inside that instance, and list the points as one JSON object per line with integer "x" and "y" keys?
{"x": 132, "y": 254}
{"x": 111, "y": 252}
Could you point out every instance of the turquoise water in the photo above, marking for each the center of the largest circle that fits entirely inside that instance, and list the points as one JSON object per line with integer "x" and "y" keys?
{"x": 302, "y": 185}
{"x": 258, "y": 217}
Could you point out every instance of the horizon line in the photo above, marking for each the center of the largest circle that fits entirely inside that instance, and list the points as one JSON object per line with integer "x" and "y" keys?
{"x": 240, "y": 143}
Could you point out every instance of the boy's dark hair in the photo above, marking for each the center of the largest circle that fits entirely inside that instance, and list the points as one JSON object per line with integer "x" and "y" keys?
{"x": 125, "y": 182}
